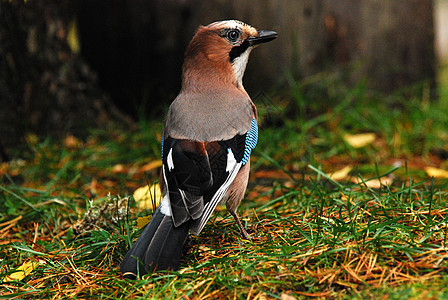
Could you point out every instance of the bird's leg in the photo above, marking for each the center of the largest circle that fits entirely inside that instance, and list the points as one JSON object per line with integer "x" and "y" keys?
{"x": 240, "y": 225}
{"x": 236, "y": 194}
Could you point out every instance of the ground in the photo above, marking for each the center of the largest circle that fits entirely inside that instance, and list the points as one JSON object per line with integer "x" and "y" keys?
{"x": 347, "y": 199}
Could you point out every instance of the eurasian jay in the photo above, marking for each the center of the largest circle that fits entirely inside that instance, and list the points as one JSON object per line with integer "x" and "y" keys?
{"x": 210, "y": 132}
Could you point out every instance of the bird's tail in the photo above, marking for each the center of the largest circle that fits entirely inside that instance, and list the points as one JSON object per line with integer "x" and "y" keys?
{"x": 159, "y": 247}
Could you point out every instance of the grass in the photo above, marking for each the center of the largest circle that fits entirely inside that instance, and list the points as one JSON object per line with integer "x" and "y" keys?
{"x": 67, "y": 211}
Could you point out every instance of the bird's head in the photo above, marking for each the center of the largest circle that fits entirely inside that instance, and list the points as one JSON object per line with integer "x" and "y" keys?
{"x": 220, "y": 51}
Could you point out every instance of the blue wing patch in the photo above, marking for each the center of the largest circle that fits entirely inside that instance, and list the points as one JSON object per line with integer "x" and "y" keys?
{"x": 251, "y": 140}
{"x": 250, "y": 143}
{"x": 163, "y": 138}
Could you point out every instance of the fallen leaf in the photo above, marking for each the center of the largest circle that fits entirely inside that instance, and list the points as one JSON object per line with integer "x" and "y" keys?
{"x": 93, "y": 186}
{"x": 21, "y": 272}
{"x": 4, "y": 168}
{"x": 148, "y": 197}
{"x": 340, "y": 174}
{"x": 73, "y": 37}
{"x": 436, "y": 173}
{"x": 119, "y": 168}
{"x": 151, "y": 166}
{"x": 72, "y": 142}
{"x": 287, "y": 297}
{"x": 204, "y": 248}
{"x": 142, "y": 221}
{"x": 359, "y": 140}
{"x": 375, "y": 183}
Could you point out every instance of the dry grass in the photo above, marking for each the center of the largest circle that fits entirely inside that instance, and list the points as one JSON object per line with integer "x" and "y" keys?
{"x": 314, "y": 236}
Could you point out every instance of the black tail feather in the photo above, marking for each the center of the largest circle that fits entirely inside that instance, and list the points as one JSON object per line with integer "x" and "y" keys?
{"x": 165, "y": 250}
{"x": 133, "y": 262}
{"x": 159, "y": 247}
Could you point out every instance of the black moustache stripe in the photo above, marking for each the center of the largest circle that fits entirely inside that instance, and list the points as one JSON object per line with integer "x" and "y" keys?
{"x": 237, "y": 50}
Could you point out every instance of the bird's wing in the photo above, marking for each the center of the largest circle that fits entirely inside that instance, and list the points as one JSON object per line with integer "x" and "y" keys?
{"x": 198, "y": 174}
{"x": 237, "y": 152}
{"x": 187, "y": 175}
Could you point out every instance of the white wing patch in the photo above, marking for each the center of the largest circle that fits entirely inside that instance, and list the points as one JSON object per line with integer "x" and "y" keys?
{"x": 165, "y": 204}
{"x": 169, "y": 160}
{"x": 231, "y": 161}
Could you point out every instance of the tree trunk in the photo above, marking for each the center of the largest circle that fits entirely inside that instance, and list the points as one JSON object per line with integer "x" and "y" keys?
{"x": 45, "y": 88}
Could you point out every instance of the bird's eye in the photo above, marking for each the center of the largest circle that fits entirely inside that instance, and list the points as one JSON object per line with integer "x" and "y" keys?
{"x": 233, "y": 35}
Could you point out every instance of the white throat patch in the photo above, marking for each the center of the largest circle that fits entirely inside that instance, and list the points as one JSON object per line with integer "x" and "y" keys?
{"x": 239, "y": 65}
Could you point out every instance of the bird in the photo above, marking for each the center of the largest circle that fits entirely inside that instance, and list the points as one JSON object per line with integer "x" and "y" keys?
{"x": 210, "y": 131}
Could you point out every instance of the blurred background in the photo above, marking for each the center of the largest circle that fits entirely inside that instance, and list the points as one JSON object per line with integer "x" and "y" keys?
{"x": 66, "y": 66}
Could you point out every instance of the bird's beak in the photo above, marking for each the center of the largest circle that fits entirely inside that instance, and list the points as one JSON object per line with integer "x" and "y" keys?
{"x": 264, "y": 36}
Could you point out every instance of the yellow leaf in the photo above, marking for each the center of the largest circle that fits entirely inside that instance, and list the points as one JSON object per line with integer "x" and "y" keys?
{"x": 148, "y": 197}
{"x": 21, "y": 272}
{"x": 73, "y": 37}
{"x": 142, "y": 221}
{"x": 151, "y": 165}
{"x": 341, "y": 174}
{"x": 359, "y": 140}
{"x": 436, "y": 173}
{"x": 375, "y": 183}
